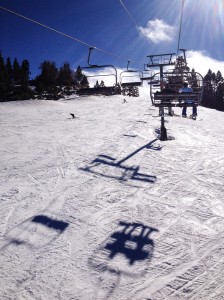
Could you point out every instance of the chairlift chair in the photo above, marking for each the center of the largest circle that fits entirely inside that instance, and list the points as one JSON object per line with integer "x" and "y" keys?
{"x": 106, "y": 90}
{"x": 173, "y": 79}
{"x": 131, "y": 78}
{"x": 148, "y": 74}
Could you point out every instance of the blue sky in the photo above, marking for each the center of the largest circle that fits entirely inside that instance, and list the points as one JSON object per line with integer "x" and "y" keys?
{"x": 148, "y": 27}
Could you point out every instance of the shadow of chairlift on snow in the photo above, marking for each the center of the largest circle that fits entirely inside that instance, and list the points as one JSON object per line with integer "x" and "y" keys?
{"x": 135, "y": 246}
{"x": 33, "y": 229}
{"x": 128, "y": 173}
{"x": 126, "y": 252}
{"x": 60, "y": 226}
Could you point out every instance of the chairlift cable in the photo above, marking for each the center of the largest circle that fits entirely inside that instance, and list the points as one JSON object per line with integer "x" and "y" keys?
{"x": 66, "y": 35}
{"x": 45, "y": 26}
{"x": 133, "y": 20}
{"x": 181, "y": 19}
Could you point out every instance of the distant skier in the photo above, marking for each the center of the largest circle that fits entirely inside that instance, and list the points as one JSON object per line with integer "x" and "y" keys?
{"x": 186, "y": 89}
{"x": 125, "y": 101}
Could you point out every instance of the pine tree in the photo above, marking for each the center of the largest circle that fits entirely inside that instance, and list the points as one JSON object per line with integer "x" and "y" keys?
{"x": 65, "y": 76}
{"x": 46, "y": 82}
{"x": 2, "y": 66}
{"x": 118, "y": 89}
{"x": 131, "y": 91}
{"x": 16, "y": 72}
{"x": 213, "y": 94}
{"x": 181, "y": 65}
{"x": 49, "y": 74}
{"x": 219, "y": 92}
{"x": 3, "y": 80}
{"x": 208, "y": 93}
{"x": 25, "y": 72}
{"x": 102, "y": 84}
{"x": 135, "y": 92}
{"x": 219, "y": 78}
{"x": 78, "y": 74}
{"x": 220, "y": 97}
{"x": 194, "y": 80}
{"x": 84, "y": 82}
{"x": 97, "y": 85}
{"x": 80, "y": 80}
{"x": 9, "y": 71}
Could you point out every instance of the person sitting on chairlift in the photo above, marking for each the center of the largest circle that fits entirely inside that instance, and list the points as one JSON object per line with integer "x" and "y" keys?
{"x": 187, "y": 89}
{"x": 167, "y": 90}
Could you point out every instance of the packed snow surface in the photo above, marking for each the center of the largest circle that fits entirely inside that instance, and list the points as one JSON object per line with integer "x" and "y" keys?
{"x": 95, "y": 206}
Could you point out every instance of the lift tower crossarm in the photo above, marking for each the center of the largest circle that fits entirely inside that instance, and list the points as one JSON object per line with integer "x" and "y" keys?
{"x": 163, "y": 61}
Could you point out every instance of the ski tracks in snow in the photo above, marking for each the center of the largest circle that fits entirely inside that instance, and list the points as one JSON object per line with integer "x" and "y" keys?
{"x": 100, "y": 209}
{"x": 193, "y": 197}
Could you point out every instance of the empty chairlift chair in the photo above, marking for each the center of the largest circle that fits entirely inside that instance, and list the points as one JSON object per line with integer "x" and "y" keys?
{"x": 103, "y": 90}
{"x": 130, "y": 77}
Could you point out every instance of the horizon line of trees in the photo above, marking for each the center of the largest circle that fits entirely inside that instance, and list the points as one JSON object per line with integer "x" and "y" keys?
{"x": 55, "y": 83}
{"x": 51, "y": 83}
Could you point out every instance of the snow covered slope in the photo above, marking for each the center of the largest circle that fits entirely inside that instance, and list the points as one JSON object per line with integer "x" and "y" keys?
{"x": 96, "y": 207}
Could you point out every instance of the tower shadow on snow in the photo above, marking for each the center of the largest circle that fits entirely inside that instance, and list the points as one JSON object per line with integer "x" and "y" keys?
{"x": 127, "y": 172}
{"x": 158, "y": 134}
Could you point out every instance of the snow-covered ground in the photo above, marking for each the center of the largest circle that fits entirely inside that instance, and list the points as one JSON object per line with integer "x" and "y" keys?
{"x": 97, "y": 207}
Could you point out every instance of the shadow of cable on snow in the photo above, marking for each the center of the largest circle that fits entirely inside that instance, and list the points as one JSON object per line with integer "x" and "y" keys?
{"x": 127, "y": 251}
{"x": 119, "y": 170}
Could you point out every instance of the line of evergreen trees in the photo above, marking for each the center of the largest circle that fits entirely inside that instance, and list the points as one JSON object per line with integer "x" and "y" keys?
{"x": 51, "y": 83}
{"x": 54, "y": 83}
{"x": 213, "y": 95}
{"x": 14, "y": 79}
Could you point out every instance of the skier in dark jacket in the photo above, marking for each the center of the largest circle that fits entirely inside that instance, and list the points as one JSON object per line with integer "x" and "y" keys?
{"x": 186, "y": 89}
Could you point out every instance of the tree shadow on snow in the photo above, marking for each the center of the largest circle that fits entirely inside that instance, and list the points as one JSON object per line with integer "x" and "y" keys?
{"x": 127, "y": 172}
{"x": 128, "y": 249}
